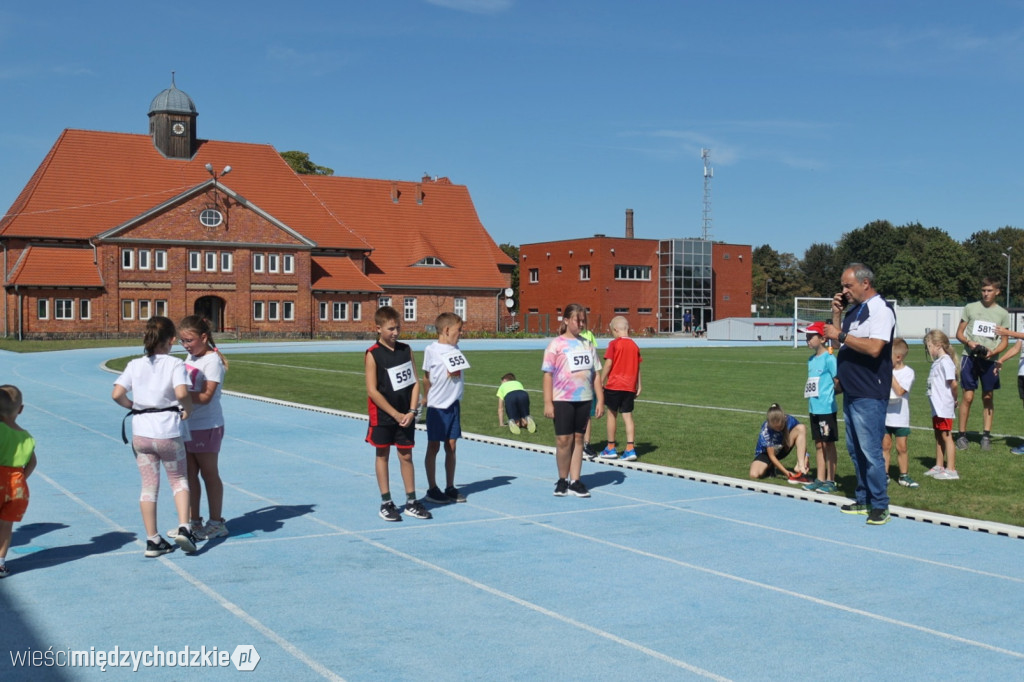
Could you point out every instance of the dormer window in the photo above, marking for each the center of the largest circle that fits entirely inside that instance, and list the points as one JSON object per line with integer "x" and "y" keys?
{"x": 432, "y": 261}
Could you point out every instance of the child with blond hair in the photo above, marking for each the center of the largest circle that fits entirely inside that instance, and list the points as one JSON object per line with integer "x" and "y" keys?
{"x": 942, "y": 386}
{"x": 17, "y": 461}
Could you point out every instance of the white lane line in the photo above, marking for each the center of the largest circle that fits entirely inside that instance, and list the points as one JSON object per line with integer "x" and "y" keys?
{"x": 230, "y": 606}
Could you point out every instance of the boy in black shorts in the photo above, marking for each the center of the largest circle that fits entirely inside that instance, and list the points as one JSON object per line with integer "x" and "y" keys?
{"x": 392, "y": 388}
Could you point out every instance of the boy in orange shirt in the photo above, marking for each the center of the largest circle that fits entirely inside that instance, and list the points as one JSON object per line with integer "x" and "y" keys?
{"x": 620, "y": 377}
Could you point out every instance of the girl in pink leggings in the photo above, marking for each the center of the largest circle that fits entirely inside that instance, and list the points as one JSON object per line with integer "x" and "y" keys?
{"x": 159, "y": 404}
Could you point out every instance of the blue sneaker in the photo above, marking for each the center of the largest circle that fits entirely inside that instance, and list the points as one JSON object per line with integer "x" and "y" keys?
{"x": 609, "y": 453}
{"x": 827, "y": 488}
{"x": 629, "y": 455}
{"x": 1019, "y": 450}
{"x": 813, "y": 485}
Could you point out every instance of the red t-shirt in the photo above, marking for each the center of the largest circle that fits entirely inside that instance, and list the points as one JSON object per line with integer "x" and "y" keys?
{"x": 624, "y": 355}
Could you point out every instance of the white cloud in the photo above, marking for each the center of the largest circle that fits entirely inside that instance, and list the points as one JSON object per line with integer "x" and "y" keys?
{"x": 474, "y": 6}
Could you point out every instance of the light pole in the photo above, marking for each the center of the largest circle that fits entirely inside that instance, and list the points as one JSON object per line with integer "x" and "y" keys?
{"x": 766, "y": 283}
{"x": 1007, "y": 256}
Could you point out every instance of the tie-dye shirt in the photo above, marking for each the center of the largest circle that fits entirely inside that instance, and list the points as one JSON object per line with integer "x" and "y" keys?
{"x": 572, "y": 363}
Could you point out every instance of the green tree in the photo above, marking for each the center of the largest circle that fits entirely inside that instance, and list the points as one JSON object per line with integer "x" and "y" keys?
{"x": 513, "y": 252}
{"x": 821, "y": 270}
{"x": 986, "y": 251}
{"x": 301, "y": 164}
{"x": 776, "y": 280}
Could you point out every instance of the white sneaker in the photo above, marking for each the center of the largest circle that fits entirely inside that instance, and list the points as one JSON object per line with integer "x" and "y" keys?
{"x": 948, "y": 475}
{"x": 935, "y": 471}
{"x": 195, "y": 525}
{"x": 215, "y": 529}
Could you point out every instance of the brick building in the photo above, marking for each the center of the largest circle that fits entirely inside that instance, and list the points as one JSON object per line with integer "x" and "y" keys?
{"x": 113, "y": 228}
{"x": 652, "y": 282}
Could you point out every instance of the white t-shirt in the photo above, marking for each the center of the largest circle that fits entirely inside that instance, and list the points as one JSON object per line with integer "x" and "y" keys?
{"x": 151, "y": 381}
{"x": 897, "y": 413}
{"x": 444, "y": 364}
{"x": 207, "y": 367}
{"x": 939, "y": 394}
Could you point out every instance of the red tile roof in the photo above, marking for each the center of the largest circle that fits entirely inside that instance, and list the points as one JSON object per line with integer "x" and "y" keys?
{"x": 444, "y": 225}
{"x": 93, "y": 181}
{"x": 339, "y": 274}
{"x": 52, "y": 266}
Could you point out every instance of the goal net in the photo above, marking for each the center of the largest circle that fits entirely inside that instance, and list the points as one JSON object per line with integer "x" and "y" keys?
{"x": 808, "y": 310}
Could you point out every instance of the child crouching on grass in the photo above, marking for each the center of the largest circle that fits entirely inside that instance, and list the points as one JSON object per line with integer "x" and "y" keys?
{"x": 780, "y": 433}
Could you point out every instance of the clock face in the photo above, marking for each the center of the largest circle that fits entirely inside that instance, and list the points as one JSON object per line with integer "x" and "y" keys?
{"x": 178, "y": 128}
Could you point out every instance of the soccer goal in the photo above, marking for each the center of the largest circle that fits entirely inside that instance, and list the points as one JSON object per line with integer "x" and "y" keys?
{"x": 808, "y": 310}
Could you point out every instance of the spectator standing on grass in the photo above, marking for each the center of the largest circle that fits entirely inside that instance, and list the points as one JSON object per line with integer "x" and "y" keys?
{"x": 942, "y": 396}
{"x": 897, "y": 414}
{"x": 1003, "y": 331}
{"x": 820, "y": 391}
{"x": 444, "y": 383}
{"x": 572, "y": 380}
{"x": 865, "y": 375}
{"x": 977, "y": 332}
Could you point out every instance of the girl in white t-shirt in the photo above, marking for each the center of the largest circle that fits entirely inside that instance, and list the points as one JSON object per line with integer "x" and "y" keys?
{"x": 206, "y": 367}
{"x": 159, "y": 404}
{"x": 942, "y": 386}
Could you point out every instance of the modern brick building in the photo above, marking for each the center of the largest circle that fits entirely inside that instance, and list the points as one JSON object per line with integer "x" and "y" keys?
{"x": 113, "y": 228}
{"x": 652, "y": 282}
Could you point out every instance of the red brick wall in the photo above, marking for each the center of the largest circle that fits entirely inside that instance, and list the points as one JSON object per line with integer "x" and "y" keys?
{"x": 731, "y": 280}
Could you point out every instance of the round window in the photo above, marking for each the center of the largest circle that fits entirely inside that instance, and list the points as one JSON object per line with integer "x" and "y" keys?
{"x": 211, "y": 217}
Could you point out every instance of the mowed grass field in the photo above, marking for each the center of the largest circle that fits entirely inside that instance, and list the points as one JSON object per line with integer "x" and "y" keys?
{"x": 700, "y": 409}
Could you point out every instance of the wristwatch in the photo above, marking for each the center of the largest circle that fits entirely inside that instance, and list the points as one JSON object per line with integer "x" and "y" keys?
{"x": 842, "y": 337}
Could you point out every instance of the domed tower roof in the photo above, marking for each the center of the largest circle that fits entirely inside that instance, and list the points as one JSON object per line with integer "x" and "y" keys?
{"x": 172, "y": 100}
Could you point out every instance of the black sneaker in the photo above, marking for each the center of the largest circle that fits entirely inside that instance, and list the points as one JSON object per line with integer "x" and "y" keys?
{"x": 854, "y": 509}
{"x": 589, "y": 452}
{"x": 417, "y": 510}
{"x": 454, "y": 495}
{"x": 389, "y": 512}
{"x": 437, "y": 497}
{"x": 186, "y": 539}
{"x": 561, "y": 487}
{"x": 4, "y": 571}
{"x": 578, "y": 489}
{"x": 878, "y": 517}
{"x": 155, "y": 549}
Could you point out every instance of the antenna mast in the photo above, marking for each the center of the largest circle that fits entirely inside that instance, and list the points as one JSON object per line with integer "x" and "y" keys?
{"x": 709, "y": 173}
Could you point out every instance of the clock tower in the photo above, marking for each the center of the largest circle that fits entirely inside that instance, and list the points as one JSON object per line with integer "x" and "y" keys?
{"x": 172, "y": 123}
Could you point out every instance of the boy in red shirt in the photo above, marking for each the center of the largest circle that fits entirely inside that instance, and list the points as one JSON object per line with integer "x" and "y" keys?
{"x": 620, "y": 376}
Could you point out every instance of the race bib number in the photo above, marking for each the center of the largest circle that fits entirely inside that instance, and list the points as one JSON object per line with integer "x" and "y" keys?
{"x": 401, "y": 376}
{"x": 811, "y": 387}
{"x": 455, "y": 361}
{"x": 985, "y": 329}
{"x": 580, "y": 360}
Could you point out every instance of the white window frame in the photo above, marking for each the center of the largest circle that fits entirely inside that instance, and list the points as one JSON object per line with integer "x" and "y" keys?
{"x": 211, "y": 217}
{"x": 127, "y": 259}
{"x": 85, "y": 309}
{"x": 127, "y": 309}
{"x": 273, "y": 310}
{"x": 145, "y": 308}
{"x": 258, "y": 310}
{"x": 43, "y": 308}
{"x": 383, "y": 301}
{"x": 257, "y": 262}
{"x": 160, "y": 307}
{"x": 288, "y": 311}
{"x": 273, "y": 263}
{"x": 325, "y": 309}
{"x": 160, "y": 259}
{"x": 288, "y": 263}
{"x": 459, "y": 306}
{"x": 195, "y": 261}
{"x": 143, "y": 259}
{"x": 339, "y": 310}
{"x": 357, "y": 311}
{"x": 227, "y": 261}
{"x": 633, "y": 273}
{"x": 63, "y": 308}
{"x": 210, "y": 261}
{"x": 409, "y": 309}
{"x": 534, "y": 275}
{"x": 585, "y": 273}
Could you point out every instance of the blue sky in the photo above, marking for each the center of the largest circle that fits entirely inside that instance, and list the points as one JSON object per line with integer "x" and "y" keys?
{"x": 560, "y": 115}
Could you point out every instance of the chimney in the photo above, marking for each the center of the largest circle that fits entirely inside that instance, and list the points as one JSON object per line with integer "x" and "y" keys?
{"x": 419, "y": 193}
{"x": 629, "y": 223}
{"x": 394, "y": 192}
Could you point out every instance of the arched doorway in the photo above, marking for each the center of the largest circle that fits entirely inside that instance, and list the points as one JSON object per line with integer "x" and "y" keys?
{"x": 212, "y": 308}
